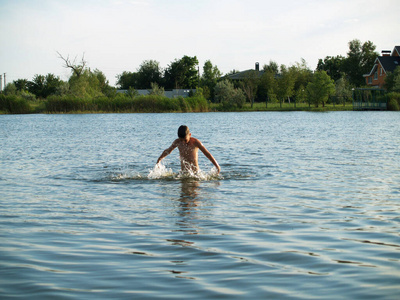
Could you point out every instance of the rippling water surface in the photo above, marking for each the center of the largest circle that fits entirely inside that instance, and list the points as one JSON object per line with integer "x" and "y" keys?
{"x": 306, "y": 207}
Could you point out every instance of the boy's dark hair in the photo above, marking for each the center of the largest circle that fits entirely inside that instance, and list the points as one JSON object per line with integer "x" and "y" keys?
{"x": 183, "y": 131}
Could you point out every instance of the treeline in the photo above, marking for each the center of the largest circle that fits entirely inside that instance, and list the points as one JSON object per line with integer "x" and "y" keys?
{"x": 89, "y": 90}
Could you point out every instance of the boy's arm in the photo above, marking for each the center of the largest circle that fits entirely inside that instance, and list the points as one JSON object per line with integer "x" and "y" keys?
{"x": 167, "y": 151}
{"x": 208, "y": 155}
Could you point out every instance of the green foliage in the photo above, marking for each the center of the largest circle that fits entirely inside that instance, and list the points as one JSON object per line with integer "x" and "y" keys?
{"x": 284, "y": 87}
{"x": 44, "y": 86}
{"x": 359, "y": 60}
{"x": 249, "y": 86}
{"x": 272, "y": 67}
{"x": 127, "y": 80}
{"x": 132, "y": 92}
{"x": 14, "y": 104}
{"x": 210, "y": 77}
{"x": 10, "y": 89}
{"x": 86, "y": 85}
{"x": 302, "y": 75}
{"x": 125, "y": 103}
{"x": 266, "y": 85}
{"x": 394, "y": 101}
{"x": 320, "y": 88}
{"x": 228, "y": 96}
{"x": 156, "y": 90}
{"x": 301, "y": 95}
{"x": 333, "y": 65}
{"x": 392, "y": 81}
{"x": 148, "y": 73}
{"x": 21, "y": 84}
{"x": 182, "y": 73}
{"x": 343, "y": 91}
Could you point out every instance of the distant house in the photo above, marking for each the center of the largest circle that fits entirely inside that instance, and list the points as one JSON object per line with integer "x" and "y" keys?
{"x": 244, "y": 74}
{"x": 384, "y": 64}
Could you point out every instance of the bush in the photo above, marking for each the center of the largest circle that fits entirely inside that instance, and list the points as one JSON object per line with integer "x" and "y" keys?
{"x": 125, "y": 103}
{"x": 394, "y": 101}
{"x": 228, "y": 96}
{"x": 68, "y": 103}
{"x": 14, "y": 104}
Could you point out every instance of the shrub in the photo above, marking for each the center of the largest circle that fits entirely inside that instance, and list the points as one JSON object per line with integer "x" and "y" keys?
{"x": 14, "y": 104}
{"x": 394, "y": 101}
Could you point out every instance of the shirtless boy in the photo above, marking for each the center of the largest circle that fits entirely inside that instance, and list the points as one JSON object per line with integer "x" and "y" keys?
{"x": 188, "y": 151}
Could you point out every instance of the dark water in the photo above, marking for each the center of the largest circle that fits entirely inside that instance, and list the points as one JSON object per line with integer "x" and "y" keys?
{"x": 306, "y": 207}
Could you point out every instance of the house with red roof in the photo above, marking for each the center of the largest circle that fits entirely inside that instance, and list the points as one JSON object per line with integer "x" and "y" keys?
{"x": 387, "y": 62}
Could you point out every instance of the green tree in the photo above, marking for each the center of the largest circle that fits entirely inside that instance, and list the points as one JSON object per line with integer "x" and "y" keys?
{"x": 333, "y": 65}
{"x": 86, "y": 85}
{"x": 284, "y": 87}
{"x": 210, "y": 77}
{"x": 52, "y": 84}
{"x": 272, "y": 67}
{"x": 10, "y": 89}
{"x": 156, "y": 90}
{"x": 250, "y": 84}
{"x": 37, "y": 85}
{"x": 342, "y": 89}
{"x": 21, "y": 84}
{"x": 229, "y": 96}
{"x": 182, "y": 73}
{"x": 127, "y": 80}
{"x": 359, "y": 61}
{"x": 392, "y": 81}
{"x": 320, "y": 88}
{"x": 44, "y": 86}
{"x": 267, "y": 86}
{"x": 149, "y": 72}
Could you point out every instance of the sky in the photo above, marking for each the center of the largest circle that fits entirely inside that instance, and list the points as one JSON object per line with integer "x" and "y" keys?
{"x": 119, "y": 35}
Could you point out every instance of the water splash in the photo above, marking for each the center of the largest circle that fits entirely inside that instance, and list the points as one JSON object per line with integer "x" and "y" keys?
{"x": 159, "y": 171}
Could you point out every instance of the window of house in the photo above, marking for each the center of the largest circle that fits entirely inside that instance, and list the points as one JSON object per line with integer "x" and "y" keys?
{"x": 376, "y": 75}
{"x": 381, "y": 71}
{"x": 370, "y": 80}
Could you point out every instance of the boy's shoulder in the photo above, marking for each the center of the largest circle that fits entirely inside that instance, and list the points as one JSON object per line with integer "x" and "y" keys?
{"x": 195, "y": 141}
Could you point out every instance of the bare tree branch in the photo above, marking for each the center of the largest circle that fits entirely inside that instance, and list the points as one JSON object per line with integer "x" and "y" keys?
{"x": 77, "y": 69}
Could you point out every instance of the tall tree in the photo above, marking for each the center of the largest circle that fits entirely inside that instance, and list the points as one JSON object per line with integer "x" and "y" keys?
{"x": 392, "y": 80}
{"x": 182, "y": 73}
{"x": 149, "y": 72}
{"x": 266, "y": 86}
{"x": 127, "y": 80}
{"x": 209, "y": 78}
{"x": 320, "y": 88}
{"x": 44, "y": 86}
{"x": 333, "y": 65}
{"x": 359, "y": 61}
{"x": 272, "y": 67}
{"x": 21, "y": 84}
{"x": 284, "y": 84}
{"x": 249, "y": 85}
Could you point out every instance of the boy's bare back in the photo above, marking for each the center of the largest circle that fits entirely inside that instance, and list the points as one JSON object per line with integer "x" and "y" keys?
{"x": 188, "y": 151}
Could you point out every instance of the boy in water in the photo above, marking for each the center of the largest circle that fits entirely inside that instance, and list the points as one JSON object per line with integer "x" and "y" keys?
{"x": 188, "y": 151}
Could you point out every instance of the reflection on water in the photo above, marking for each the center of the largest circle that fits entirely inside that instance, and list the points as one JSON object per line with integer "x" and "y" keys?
{"x": 306, "y": 199}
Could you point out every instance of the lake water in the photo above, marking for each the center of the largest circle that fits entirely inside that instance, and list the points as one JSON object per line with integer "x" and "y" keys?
{"x": 307, "y": 206}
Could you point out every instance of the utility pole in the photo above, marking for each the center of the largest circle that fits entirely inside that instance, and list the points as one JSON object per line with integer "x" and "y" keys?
{"x": 1, "y": 82}
{"x": 5, "y": 80}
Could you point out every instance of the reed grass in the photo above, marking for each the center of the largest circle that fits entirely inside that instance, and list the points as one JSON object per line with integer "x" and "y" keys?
{"x": 14, "y": 104}
{"x": 125, "y": 103}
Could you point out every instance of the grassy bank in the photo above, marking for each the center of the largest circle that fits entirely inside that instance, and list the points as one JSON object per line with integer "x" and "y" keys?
{"x": 14, "y": 104}
{"x": 285, "y": 107}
